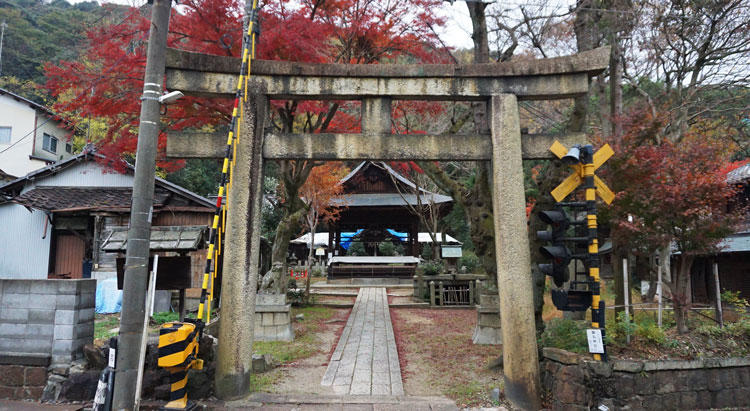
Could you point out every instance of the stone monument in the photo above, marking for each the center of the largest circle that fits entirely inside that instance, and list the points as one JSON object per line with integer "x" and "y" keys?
{"x": 488, "y": 329}
{"x": 273, "y": 319}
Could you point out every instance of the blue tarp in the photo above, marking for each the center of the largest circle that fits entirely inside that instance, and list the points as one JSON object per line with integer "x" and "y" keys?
{"x": 108, "y": 297}
{"x": 346, "y": 238}
{"x": 401, "y": 236}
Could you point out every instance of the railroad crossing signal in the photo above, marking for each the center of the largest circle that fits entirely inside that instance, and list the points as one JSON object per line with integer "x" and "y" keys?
{"x": 584, "y": 162}
{"x": 575, "y": 179}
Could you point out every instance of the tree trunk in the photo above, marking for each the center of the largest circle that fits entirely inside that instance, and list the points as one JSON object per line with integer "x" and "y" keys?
{"x": 479, "y": 31}
{"x": 288, "y": 225}
{"x": 615, "y": 88}
{"x": 293, "y": 174}
{"x": 586, "y": 29}
{"x": 652, "y": 275}
{"x": 309, "y": 263}
{"x": 600, "y": 87}
{"x": 681, "y": 293}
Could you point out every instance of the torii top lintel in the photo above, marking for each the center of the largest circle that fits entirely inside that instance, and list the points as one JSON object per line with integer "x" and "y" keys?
{"x": 542, "y": 79}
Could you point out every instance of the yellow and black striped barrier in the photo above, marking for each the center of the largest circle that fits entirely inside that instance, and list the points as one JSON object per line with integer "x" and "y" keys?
{"x": 178, "y": 352}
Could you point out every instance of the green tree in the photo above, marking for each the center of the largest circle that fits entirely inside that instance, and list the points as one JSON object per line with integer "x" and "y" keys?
{"x": 38, "y": 32}
{"x": 200, "y": 176}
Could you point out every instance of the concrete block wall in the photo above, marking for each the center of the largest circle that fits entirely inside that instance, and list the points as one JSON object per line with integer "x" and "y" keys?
{"x": 46, "y": 318}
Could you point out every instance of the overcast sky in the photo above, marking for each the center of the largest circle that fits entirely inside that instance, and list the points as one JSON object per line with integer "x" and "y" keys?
{"x": 456, "y": 33}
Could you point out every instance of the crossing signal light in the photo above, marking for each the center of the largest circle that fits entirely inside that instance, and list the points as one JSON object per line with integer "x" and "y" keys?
{"x": 559, "y": 222}
{"x": 556, "y": 251}
{"x": 558, "y": 269}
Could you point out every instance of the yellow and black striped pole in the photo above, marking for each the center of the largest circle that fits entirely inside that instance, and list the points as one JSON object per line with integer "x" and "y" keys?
{"x": 178, "y": 341}
{"x": 597, "y": 304}
{"x": 218, "y": 226}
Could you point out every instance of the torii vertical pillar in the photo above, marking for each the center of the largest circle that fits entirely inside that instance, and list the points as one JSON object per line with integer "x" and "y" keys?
{"x": 241, "y": 256}
{"x": 520, "y": 357}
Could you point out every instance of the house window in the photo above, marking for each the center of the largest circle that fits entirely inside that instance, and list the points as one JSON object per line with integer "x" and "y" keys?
{"x": 49, "y": 143}
{"x": 68, "y": 148}
{"x": 4, "y": 135}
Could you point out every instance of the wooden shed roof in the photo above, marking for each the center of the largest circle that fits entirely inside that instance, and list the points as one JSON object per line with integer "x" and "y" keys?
{"x": 163, "y": 238}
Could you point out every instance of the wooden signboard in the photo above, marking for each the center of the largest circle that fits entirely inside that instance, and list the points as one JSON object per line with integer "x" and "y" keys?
{"x": 174, "y": 273}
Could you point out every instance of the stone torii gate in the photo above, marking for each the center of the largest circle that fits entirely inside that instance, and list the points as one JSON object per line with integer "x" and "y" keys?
{"x": 500, "y": 85}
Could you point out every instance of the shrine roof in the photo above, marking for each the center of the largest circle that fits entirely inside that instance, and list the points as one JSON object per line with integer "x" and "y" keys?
{"x": 376, "y": 184}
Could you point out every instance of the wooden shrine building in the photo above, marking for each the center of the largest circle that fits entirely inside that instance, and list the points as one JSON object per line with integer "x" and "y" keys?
{"x": 379, "y": 205}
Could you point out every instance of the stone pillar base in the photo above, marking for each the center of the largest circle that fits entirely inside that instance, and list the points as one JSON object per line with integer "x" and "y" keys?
{"x": 488, "y": 330}
{"x": 273, "y": 319}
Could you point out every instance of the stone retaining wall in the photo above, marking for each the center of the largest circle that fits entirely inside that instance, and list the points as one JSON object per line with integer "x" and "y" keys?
{"x": 42, "y": 322}
{"x": 574, "y": 382}
{"x": 22, "y": 382}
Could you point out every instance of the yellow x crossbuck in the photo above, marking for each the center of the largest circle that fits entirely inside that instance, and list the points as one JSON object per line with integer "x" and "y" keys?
{"x": 575, "y": 179}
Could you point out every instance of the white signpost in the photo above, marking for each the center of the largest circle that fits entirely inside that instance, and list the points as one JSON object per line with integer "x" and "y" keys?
{"x": 596, "y": 345}
{"x": 451, "y": 251}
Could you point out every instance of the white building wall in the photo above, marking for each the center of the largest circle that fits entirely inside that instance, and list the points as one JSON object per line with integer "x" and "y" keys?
{"x": 14, "y": 157}
{"x": 28, "y": 126}
{"x": 47, "y": 125}
{"x": 24, "y": 247}
{"x": 23, "y": 251}
{"x": 84, "y": 174}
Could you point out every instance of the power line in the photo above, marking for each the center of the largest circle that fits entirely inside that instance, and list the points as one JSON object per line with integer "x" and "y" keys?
{"x": 27, "y": 135}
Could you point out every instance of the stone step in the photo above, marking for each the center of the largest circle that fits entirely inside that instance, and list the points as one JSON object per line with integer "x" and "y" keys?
{"x": 395, "y": 305}
{"x": 344, "y": 293}
{"x": 322, "y": 285}
{"x": 342, "y": 402}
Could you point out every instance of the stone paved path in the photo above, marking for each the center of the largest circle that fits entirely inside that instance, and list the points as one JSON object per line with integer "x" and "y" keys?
{"x": 365, "y": 361}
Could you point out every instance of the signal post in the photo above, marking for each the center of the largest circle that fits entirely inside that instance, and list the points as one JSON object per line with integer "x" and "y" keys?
{"x": 581, "y": 294}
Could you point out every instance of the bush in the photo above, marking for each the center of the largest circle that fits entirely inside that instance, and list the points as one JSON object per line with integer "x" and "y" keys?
{"x": 318, "y": 272}
{"x": 565, "y": 334}
{"x": 641, "y": 327}
{"x": 400, "y": 249}
{"x": 649, "y": 330}
{"x": 356, "y": 249}
{"x": 469, "y": 260}
{"x": 165, "y": 317}
{"x": 619, "y": 329}
{"x": 387, "y": 248}
{"x": 432, "y": 267}
{"x": 738, "y": 329}
{"x": 426, "y": 252}
{"x": 733, "y": 298}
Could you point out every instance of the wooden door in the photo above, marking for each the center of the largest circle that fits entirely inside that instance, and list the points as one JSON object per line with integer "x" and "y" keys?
{"x": 69, "y": 253}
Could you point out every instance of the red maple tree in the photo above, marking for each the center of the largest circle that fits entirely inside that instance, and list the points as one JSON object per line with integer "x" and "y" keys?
{"x": 677, "y": 196}
{"x": 318, "y": 193}
{"x": 106, "y": 82}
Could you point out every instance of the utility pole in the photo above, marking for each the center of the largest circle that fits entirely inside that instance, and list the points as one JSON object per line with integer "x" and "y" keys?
{"x": 2, "y": 35}
{"x": 139, "y": 233}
